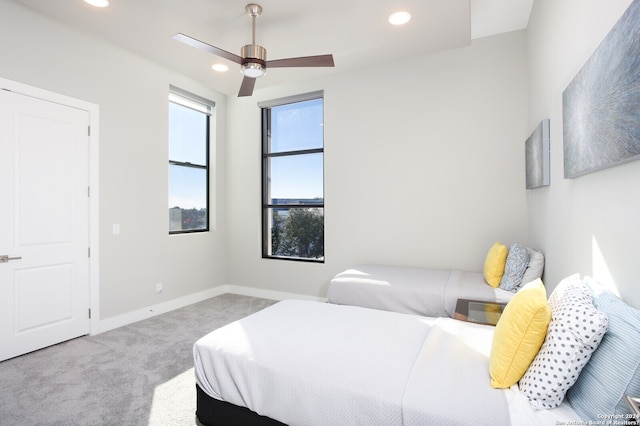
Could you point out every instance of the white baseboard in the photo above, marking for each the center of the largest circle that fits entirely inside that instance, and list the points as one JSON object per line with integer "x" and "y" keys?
{"x": 181, "y": 302}
{"x": 160, "y": 308}
{"x": 269, "y": 294}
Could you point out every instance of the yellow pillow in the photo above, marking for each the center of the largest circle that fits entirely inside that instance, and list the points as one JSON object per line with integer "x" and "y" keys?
{"x": 519, "y": 334}
{"x": 494, "y": 264}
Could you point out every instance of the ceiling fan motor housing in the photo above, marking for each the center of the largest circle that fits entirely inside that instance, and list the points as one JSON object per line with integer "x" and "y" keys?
{"x": 254, "y": 60}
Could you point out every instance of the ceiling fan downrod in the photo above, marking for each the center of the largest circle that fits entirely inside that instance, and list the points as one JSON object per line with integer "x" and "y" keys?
{"x": 254, "y": 10}
{"x": 255, "y": 56}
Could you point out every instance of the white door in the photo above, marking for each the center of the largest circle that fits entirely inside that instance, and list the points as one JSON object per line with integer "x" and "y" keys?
{"x": 44, "y": 224}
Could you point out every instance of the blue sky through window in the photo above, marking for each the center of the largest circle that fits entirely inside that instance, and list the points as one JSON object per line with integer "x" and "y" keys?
{"x": 297, "y": 126}
{"x": 187, "y": 187}
{"x": 187, "y": 143}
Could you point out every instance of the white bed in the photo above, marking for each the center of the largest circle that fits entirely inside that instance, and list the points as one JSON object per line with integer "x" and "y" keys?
{"x": 311, "y": 363}
{"x": 421, "y": 291}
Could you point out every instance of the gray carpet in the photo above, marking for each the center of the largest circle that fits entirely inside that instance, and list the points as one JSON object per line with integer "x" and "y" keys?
{"x": 140, "y": 374}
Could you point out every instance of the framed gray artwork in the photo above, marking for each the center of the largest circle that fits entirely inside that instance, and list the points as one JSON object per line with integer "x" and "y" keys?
{"x": 537, "y": 156}
{"x": 601, "y": 106}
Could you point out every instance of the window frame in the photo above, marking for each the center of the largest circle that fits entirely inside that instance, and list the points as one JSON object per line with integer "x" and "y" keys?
{"x": 266, "y": 206}
{"x": 199, "y": 104}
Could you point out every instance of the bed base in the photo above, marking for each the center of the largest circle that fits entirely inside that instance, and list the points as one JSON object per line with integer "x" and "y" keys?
{"x": 213, "y": 412}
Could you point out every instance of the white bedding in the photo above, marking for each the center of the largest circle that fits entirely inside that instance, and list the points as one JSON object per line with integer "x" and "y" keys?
{"x": 311, "y": 363}
{"x": 427, "y": 292}
{"x": 449, "y": 384}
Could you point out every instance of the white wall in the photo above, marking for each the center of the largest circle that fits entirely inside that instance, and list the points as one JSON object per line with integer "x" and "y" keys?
{"x": 132, "y": 96}
{"x": 590, "y": 224}
{"x": 424, "y": 166}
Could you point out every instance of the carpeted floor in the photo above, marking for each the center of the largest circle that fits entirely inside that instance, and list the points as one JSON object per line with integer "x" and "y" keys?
{"x": 140, "y": 374}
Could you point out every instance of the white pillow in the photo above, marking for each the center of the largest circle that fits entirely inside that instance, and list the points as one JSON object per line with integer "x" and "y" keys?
{"x": 535, "y": 268}
{"x": 575, "y": 331}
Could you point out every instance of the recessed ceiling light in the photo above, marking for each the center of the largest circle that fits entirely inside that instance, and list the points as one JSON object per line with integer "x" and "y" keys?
{"x": 98, "y": 3}
{"x": 220, "y": 67}
{"x": 399, "y": 18}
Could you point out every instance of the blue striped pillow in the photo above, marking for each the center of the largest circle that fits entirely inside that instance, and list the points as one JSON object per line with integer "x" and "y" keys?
{"x": 614, "y": 368}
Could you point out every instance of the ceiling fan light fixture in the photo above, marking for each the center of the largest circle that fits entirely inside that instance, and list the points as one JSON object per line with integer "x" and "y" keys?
{"x": 98, "y": 3}
{"x": 253, "y": 70}
{"x": 255, "y": 58}
{"x": 399, "y": 18}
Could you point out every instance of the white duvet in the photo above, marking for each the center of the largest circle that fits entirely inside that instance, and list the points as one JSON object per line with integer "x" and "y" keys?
{"x": 311, "y": 363}
{"x": 427, "y": 292}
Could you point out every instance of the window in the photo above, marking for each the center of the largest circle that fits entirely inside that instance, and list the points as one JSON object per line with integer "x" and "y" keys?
{"x": 293, "y": 178}
{"x": 189, "y": 130}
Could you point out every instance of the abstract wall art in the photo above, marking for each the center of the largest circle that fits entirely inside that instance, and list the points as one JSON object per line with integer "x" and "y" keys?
{"x": 601, "y": 106}
{"x": 537, "y": 156}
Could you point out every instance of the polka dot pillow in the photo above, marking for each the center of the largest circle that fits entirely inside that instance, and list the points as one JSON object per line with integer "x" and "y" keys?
{"x": 575, "y": 331}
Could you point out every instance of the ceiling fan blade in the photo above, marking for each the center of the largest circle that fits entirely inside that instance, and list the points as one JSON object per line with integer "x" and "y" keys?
{"x": 246, "y": 89}
{"x": 209, "y": 48}
{"x": 305, "y": 61}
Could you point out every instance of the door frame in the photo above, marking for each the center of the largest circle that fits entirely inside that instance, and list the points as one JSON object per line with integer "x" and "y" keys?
{"x": 94, "y": 224}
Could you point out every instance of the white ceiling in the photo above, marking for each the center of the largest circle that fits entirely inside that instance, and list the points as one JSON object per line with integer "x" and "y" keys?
{"x": 356, "y": 32}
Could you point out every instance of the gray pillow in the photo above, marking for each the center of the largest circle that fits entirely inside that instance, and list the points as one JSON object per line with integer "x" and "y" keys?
{"x": 515, "y": 267}
{"x": 535, "y": 268}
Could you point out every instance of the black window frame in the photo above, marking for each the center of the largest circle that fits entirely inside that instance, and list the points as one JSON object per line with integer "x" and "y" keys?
{"x": 265, "y": 184}
{"x": 209, "y": 105}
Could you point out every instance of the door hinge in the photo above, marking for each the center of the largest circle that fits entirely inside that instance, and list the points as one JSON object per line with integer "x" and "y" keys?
{"x": 88, "y": 191}
{"x": 88, "y": 130}
{"x": 88, "y": 251}
{"x": 89, "y": 313}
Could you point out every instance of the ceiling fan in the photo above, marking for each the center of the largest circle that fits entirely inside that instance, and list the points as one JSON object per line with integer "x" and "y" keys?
{"x": 253, "y": 57}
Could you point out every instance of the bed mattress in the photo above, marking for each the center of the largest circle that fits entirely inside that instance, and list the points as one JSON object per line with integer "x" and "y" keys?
{"x": 422, "y": 291}
{"x": 311, "y": 363}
